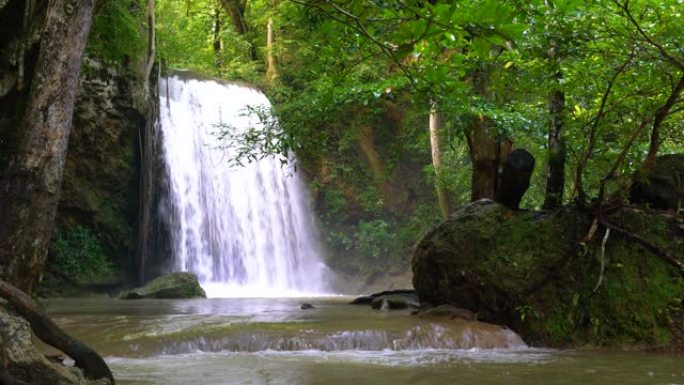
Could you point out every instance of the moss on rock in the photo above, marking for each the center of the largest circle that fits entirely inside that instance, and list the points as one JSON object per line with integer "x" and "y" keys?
{"x": 531, "y": 271}
{"x": 170, "y": 286}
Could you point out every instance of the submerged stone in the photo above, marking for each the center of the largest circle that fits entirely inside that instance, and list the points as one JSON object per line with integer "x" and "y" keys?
{"x": 368, "y": 299}
{"x": 448, "y": 311}
{"x": 171, "y": 286}
{"x": 394, "y": 302}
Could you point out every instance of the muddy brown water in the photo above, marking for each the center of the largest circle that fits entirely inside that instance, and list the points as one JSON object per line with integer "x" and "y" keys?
{"x": 274, "y": 342}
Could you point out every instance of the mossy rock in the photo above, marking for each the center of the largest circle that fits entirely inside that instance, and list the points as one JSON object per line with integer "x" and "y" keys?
{"x": 170, "y": 286}
{"x": 662, "y": 187}
{"x": 531, "y": 272}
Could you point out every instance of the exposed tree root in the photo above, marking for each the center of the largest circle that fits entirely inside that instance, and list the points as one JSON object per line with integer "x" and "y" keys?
{"x": 664, "y": 255}
{"x": 85, "y": 358}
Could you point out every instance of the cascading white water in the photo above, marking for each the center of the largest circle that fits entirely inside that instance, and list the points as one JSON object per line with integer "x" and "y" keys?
{"x": 245, "y": 231}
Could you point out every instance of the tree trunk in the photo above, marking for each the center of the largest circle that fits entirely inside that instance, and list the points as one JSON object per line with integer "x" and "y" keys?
{"x": 484, "y": 156}
{"x": 236, "y": 9}
{"x": 32, "y": 180}
{"x": 94, "y": 367}
{"x": 271, "y": 71}
{"x": 658, "y": 119}
{"x": 442, "y": 194}
{"x": 217, "y": 39}
{"x": 367, "y": 144}
{"x": 483, "y": 144}
{"x": 555, "y": 177}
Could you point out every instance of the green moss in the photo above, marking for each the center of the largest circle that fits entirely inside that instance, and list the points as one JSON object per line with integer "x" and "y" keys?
{"x": 174, "y": 285}
{"x": 530, "y": 271}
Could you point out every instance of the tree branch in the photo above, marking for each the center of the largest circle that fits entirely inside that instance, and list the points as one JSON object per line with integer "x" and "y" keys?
{"x": 671, "y": 58}
{"x": 658, "y": 119}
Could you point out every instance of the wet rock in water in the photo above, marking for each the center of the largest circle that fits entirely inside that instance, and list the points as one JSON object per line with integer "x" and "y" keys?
{"x": 448, "y": 311}
{"x": 368, "y": 299}
{"x": 171, "y": 286}
{"x": 306, "y": 306}
{"x": 663, "y": 186}
{"x": 395, "y": 302}
{"x": 25, "y": 363}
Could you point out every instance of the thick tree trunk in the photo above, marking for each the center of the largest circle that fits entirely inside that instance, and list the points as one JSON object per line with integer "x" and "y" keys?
{"x": 271, "y": 71}
{"x": 485, "y": 158}
{"x": 236, "y": 9}
{"x": 442, "y": 194}
{"x": 555, "y": 177}
{"x": 31, "y": 184}
{"x": 87, "y": 359}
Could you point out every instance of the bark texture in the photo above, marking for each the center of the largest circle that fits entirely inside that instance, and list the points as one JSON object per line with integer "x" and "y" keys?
{"x": 236, "y": 9}
{"x": 271, "y": 70}
{"x": 442, "y": 194}
{"x": 484, "y": 155}
{"x": 32, "y": 181}
{"x": 555, "y": 177}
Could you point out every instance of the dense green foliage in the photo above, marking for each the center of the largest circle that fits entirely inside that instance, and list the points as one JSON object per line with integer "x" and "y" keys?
{"x": 356, "y": 81}
{"x": 77, "y": 254}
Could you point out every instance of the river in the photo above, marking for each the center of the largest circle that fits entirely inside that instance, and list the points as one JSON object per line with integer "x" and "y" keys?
{"x": 273, "y": 341}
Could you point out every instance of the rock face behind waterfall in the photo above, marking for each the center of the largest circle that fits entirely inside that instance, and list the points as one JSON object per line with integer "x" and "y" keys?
{"x": 528, "y": 270}
{"x": 170, "y": 286}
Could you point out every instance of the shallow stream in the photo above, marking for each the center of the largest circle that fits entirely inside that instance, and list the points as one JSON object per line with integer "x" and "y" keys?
{"x": 274, "y": 342}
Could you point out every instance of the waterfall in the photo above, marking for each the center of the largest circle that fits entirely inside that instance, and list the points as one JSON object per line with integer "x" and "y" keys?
{"x": 245, "y": 231}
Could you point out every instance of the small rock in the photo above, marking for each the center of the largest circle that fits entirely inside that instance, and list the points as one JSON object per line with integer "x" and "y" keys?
{"x": 306, "y": 306}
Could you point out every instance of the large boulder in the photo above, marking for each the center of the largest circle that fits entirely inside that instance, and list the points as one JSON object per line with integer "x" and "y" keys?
{"x": 663, "y": 186}
{"x": 25, "y": 362}
{"x": 532, "y": 272}
{"x": 171, "y": 286}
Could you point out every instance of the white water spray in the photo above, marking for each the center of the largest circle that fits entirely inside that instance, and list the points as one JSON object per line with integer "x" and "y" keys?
{"x": 245, "y": 231}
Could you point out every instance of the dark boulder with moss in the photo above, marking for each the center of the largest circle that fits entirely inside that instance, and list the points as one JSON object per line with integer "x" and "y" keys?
{"x": 663, "y": 186}
{"x": 170, "y": 286}
{"x": 532, "y": 272}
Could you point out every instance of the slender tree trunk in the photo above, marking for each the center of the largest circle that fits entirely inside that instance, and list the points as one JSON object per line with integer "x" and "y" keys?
{"x": 236, "y": 9}
{"x": 555, "y": 177}
{"x": 32, "y": 181}
{"x": 151, "y": 46}
{"x": 442, "y": 194}
{"x": 217, "y": 39}
{"x": 271, "y": 70}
